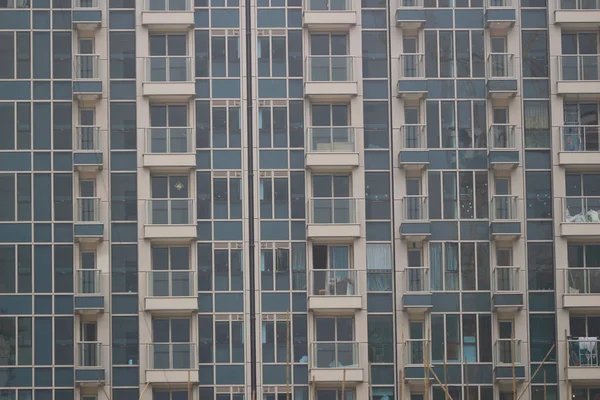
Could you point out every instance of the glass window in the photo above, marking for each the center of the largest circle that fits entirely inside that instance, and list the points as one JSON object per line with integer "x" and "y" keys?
{"x": 124, "y": 265}
{"x": 540, "y": 266}
{"x": 122, "y": 55}
{"x": 123, "y": 197}
{"x": 125, "y": 347}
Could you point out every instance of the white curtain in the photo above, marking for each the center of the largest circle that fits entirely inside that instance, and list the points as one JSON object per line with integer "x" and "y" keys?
{"x": 379, "y": 267}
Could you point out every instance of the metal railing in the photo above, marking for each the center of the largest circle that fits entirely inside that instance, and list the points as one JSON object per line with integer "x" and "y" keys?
{"x": 411, "y": 65}
{"x": 84, "y": 3}
{"x": 417, "y": 350}
{"x": 501, "y": 65}
{"x": 578, "y": 5}
{"x": 414, "y": 208}
{"x": 330, "y": 68}
{"x": 169, "y": 69}
{"x": 328, "y": 5}
{"x": 86, "y": 66}
{"x": 578, "y": 67}
{"x": 88, "y": 209}
{"x": 87, "y": 138}
{"x": 172, "y": 356}
{"x": 498, "y": 3}
{"x": 167, "y": 5}
{"x": 502, "y": 137}
{"x": 335, "y": 355}
{"x": 409, "y": 3}
{"x": 583, "y": 352}
{"x": 416, "y": 279}
{"x": 579, "y": 280}
{"x": 413, "y": 136}
{"x": 172, "y": 283}
{"x": 508, "y": 351}
{"x": 331, "y": 139}
{"x": 504, "y": 208}
{"x": 332, "y": 210}
{"x": 579, "y": 209}
{"x": 89, "y": 354}
{"x": 89, "y": 281}
{"x": 506, "y": 279}
{"x": 334, "y": 282}
{"x": 170, "y": 211}
{"x": 580, "y": 137}
{"x": 169, "y": 140}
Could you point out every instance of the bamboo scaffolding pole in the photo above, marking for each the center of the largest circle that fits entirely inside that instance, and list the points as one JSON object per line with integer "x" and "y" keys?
{"x": 536, "y": 371}
{"x": 512, "y": 358}
{"x": 467, "y": 378}
{"x": 445, "y": 377}
{"x": 425, "y": 370}
{"x": 545, "y": 391}
{"x": 189, "y": 386}
{"x": 444, "y": 388}
{"x": 144, "y": 391}
{"x": 287, "y": 356}
{"x": 344, "y": 384}
{"x": 567, "y": 366}
{"x": 401, "y": 371}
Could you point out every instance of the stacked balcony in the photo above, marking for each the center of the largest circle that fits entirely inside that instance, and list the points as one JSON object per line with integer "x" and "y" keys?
{"x": 168, "y": 15}
{"x": 579, "y": 76}
{"x": 171, "y": 292}
{"x": 412, "y": 84}
{"x": 170, "y": 149}
{"x": 503, "y": 152}
{"x": 417, "y": 296}
{"x": 410, "y": 15}
{"x": 170, "y": 220}
{"x": 502, "y": 82}
{"x": 330, "y": 78}
{"x": 414, "y": 154}
{"x": 332, "y": 15}
{"x": 580, "y": 146}
{"x": 508, "y": 365}
{"x": 331, "y": 149}
{"x": 417, "y": 352}
{"x": 334, "y": 362}
{"x": 582, "y": 289}
{"x": 87, "y": 83}
{"x": 500, "y": 15}
{"x": 584, "y": 366}
{"x": 89, "y": 298}
{"x": 89, "y": 223}
{"x": 333, "y": 218}
{"x": 578, "y": 14}
{"x": 334, "y": 290}
{"x": 415, "y": 225}
{"x": 169, "y": 78}
{"x": 581, "y": 217}
{"x": 87, "y": 154}
{"x": 87, "y": 15}
{"x": 507, "y": 294}
{"x": 89, "y": 369}
{"x": 505, "y": 217}
{"x": 172, "y": 363}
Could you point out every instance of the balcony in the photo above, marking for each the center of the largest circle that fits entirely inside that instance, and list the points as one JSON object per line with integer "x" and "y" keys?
{"x": 505, "y": 217}
{"x": 503, "y": 153}
{"x": 87, "y": 15}
{"x": 583, "y": 360}
{"x": 412, "y": 84}
{"x": 87, "y": 84}
{"x": 416, "y": 352}
{"x": 508, "y": 355}
{"x": 89, "y": 370}
{"x": 88, "y": 226}
{"x": 331, "y": 148}
{"x": 168, "y": 15}
{"x": 500, "y": 15}
{"x": 170, "y": 149}
{"x": 89, "y": 298}
{"x": 417, "y": 296}
{"x": 172, "y": 363}
{"x": 580, "y": 14}
{"x": 414, "y": 154}
{"x": 579, "y": 76}
{"x": 333, "y": 218}
{"x": 169, "y": 78}
{"x": 87, "y": 156}
{"x": 581, "y": 218}
{"x": 171, "y": 292}
{"x": 580, "y": 146}
{"x": 582, "y": 289}
{"x": 415, "y": 225}
{"x": 331, "y": 362}
{"x": 331, "y": 15}
{"x": 410, "y": 15}
{"x": 507, "y": 294}
{"x": 334, "y": 290}
{"x": 330, "y": 78}
{"x": 170, "y": 220}
{"x": 502, "y": 82}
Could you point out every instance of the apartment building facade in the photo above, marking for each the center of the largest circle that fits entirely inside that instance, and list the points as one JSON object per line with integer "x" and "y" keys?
{"x": 299, "y": 199}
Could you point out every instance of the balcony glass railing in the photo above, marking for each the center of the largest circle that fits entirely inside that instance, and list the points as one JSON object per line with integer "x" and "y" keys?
{"x": 414, "y": 208}
{"x": 330, "y": 68}
{"x": 580, "y": 209}
{"x": 89, "y": 281}
{"x": 335, "y": 355}
{"x": 172, "y": 356}
{"x": 169, "y": 140}
{"x": 86, "y": 66}
{"x": 88, "y": 209}
{"x": 583, "y": 352}
{"x": 502, "y": 137}
{"x": 580, "y": 280}
{"x": 578, "y": 67}
{"x": 498, "y": 3}
{"x": 331, "y": 139}
{"x": 505, "y": 207}
{"x": 328, "y": 5}
{"x": 79, "y": 3}
{"x": 170, "y": 211}
{"x": 169, "y": 69}
{"x": 167, "y": 5}
{"x": 172, "y": 283}
{"x": 580, "y": 138}
{"x": 410, "y": 3}
{"x": 413, "y": 137}
{"x": 89, "y": 354}
{"x": 87, "y": 138}
{"x": 506, "y": 279}
{"x": 578, "y": 4}
{"x": 412, "y": 66}
{"x": 508, "y": 351}
{"x": 333, "y": 210}
{"x": 334, "y": 282}
{"x": 500, "y": 65}
{"x": 416, "y": 351}
{"x": 417, "y": 279}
